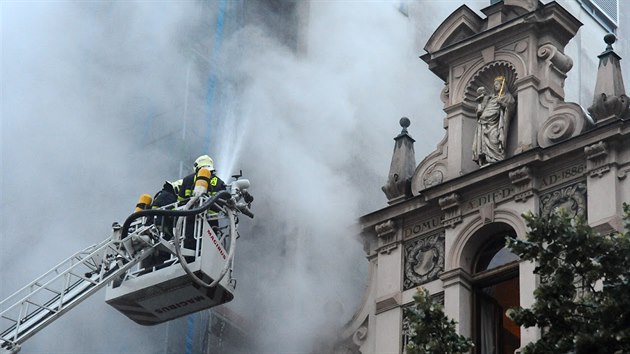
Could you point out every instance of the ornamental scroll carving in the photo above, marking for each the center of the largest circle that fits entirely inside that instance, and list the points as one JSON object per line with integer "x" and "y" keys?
{"x": 566, "y": 121}
{"x": 360, "y": 335}
{"x": 555, "y": 59}
{"x": 434, "y": 175}
{"x": 424, "y": 259}
{"x": 433, "y": 170}
{"x": 571, "y": 198}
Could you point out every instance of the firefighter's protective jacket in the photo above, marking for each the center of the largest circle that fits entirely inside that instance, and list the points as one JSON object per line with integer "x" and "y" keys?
{"x": 215, "y": 184}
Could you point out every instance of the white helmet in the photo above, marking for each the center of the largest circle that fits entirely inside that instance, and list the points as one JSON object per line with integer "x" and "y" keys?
{"x": 204, "y": 161}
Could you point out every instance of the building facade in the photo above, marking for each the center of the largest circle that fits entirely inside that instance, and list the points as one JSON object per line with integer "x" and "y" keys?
{"x": 514, "y": 143}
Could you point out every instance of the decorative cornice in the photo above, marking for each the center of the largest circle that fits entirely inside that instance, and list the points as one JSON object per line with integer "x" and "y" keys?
{"x": 386, "y": 234}
{"x": 522, "y": 179}
{"x": 596, "y": 151}
{"x": 520, "y": 176}
{"x": 457, "y": 276}
{"x": 451, "y": 205}
{"x": 385, "y": 229}
{"x": 450, "y": 201}
{"x": 600, "y": 160}
{"x": 388, "y": 302}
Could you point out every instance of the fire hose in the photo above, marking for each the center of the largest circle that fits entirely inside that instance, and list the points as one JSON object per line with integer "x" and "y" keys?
{"x": 222, "y": 196}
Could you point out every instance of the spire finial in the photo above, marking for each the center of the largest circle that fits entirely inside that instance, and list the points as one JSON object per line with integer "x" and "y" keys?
{"x": 610, "y": 98}
{"x": 404, "y": 123}
{"x": 398, "y": 186}
{"x": 610, "y": 38}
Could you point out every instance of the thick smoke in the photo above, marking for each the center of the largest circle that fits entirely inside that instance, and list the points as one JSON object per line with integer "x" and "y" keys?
{"x": 94, "y": 97}
{"x": 82, "y": 82}
{"x": 317, "y": 128}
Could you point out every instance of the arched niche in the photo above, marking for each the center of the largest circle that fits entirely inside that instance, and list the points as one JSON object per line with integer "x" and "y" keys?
{"x": 471, "y": 238}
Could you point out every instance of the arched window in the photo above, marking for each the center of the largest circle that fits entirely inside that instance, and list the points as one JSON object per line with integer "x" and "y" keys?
{"x": 496, "y": 289}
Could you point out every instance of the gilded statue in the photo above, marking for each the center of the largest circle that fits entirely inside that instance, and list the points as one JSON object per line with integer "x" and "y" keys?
{"x": 493, "y": 120}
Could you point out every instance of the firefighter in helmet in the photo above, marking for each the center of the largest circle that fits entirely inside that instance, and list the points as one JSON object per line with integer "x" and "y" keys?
{"x": 186, "y": 190}
{"x": 215, "y": 184}
{"x": 167, "y": 196}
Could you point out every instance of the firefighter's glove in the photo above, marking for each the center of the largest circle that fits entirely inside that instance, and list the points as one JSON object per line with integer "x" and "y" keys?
{"x": 248, "y": 198}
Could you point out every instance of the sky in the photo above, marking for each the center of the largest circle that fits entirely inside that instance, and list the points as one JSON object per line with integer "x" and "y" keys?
{"x": 95, "y": 97}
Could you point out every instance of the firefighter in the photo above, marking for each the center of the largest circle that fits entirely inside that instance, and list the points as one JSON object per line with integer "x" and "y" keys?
{"x": 215, "y": 184}
{"x": 167, "y": 195}
{"x": 186, "y": 190}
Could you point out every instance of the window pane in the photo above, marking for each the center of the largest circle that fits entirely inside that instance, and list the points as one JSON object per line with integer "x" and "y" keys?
{"x": 495, "y": 254}
{"x": 504, "y": 256}
{"x": 496, "y": 333}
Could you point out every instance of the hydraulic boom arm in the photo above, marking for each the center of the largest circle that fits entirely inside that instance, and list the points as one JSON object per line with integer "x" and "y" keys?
{"x": 48, "y": 297}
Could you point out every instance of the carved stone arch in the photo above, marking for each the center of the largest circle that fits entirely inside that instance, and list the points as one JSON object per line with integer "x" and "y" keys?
{"x": 485, "y": 77}
{"x": 462, "y": 253}
{"x": 472, "y": 69}
{"x": 517, "y": 63}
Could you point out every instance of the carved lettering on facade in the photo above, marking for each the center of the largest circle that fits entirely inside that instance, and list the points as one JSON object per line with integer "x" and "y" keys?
{"x": 495, "y": 196}
{"x": 422, "y": 227}
{"x": 558, "y": 177}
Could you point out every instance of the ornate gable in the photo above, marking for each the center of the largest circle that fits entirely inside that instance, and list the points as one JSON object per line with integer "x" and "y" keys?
{"x": 461, "y": 24}
{"x": 508, "y": 70}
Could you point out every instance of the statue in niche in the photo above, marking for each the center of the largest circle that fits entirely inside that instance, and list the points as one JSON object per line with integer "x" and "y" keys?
{"x": 493, "y": 119}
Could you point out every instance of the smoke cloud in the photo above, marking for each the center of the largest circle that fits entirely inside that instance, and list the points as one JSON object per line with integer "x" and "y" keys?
{"x": 101, "y": 102}
{"x": 81, "y": 84}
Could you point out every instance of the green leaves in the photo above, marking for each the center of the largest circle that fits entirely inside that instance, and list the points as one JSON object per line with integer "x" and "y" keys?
{"x": 583, "y": 301}
{"x": 431, "y": 331}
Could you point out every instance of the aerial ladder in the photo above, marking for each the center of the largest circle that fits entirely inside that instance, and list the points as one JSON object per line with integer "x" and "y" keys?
{"x": 194, "y": 273}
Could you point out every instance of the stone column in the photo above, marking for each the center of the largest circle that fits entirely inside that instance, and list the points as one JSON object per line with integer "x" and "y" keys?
{"x": 604, "y": 214}
{"x": 388, "y": 319}
{"x": 460, "y": 126}
{"x": 527, "y": 282}
{"x": 458, "y": 299}
{"x": 388, "y": 326}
